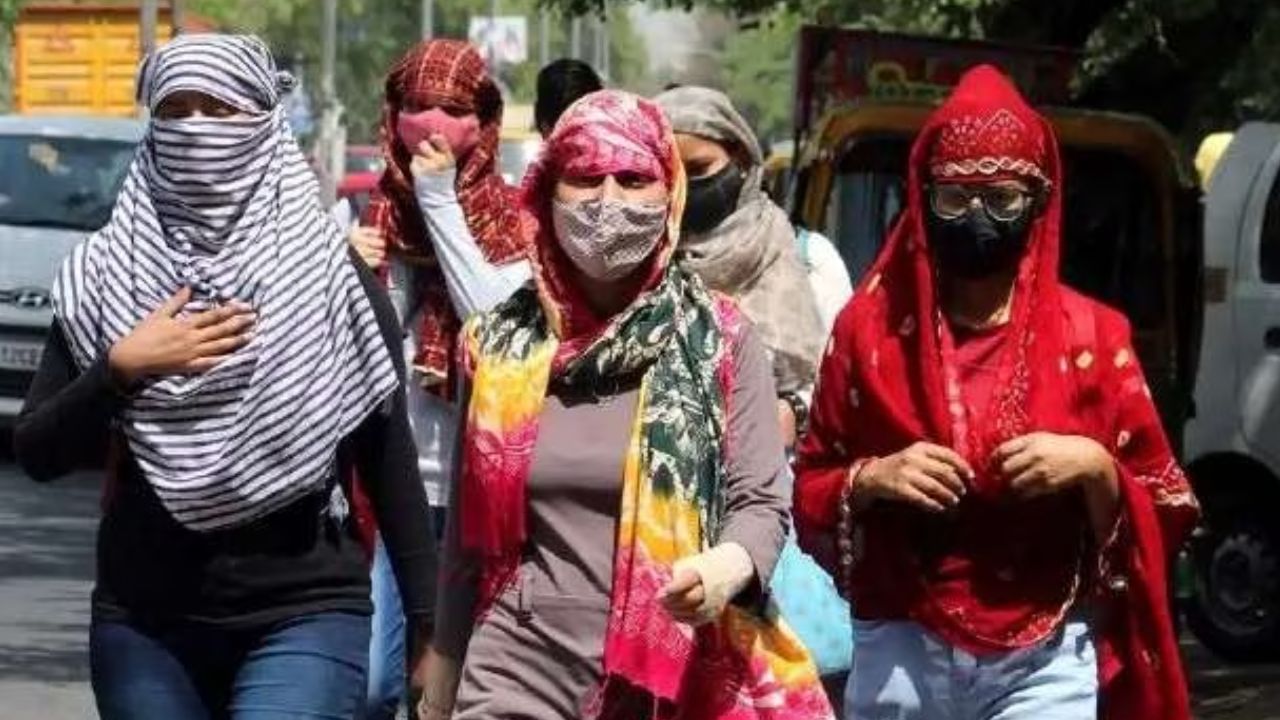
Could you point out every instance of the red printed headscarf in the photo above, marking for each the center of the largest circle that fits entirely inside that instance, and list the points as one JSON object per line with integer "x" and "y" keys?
{"x": 889, "y": 379}
{"x": 446, "y": 73}
{"x": 984, "y": 131}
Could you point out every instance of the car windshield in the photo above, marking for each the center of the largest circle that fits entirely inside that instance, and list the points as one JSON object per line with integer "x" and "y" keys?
{"x": 60, "y": 182}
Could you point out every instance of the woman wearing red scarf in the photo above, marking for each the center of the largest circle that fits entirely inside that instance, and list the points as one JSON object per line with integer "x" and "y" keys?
{"x": 444, "y": 232}
{"x": 441, "y": 89}
{"x": 986, "y": 453}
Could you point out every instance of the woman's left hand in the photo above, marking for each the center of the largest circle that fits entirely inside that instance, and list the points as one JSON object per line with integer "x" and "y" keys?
{"x": 419, "y": 645}
{"x": 432, "y": 157}
{"x": 1044, "y": 464}
{"x": 433, "y": 686}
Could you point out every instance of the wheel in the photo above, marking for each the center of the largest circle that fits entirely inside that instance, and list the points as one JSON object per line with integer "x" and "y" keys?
{"x": 1234, "y": 608}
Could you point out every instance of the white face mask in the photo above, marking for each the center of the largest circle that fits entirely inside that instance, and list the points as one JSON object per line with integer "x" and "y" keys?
{"x": 608, "y": 239}
{"x": 206, "y": 169}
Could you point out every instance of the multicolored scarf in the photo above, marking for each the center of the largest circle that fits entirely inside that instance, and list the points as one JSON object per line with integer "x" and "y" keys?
{"x": 675, "y": 338}
{"x": 451, "y": 74}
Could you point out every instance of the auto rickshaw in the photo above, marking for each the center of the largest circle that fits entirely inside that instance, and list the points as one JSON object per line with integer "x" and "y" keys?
{"x": 777, "y": 172}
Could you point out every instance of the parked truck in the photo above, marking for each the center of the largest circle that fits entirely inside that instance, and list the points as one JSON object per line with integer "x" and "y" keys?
{"x": 79, "y": 58}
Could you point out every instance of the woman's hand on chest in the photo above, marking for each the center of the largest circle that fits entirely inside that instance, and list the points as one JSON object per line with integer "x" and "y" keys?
{"x": 925, "y": 476}
{"x": 169, "y": 343}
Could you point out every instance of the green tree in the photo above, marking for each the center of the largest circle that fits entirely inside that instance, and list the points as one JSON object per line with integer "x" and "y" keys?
{"x": 8, "y": 19}
{"x": 759, "y": 74}
{"x": 1193, "y": 65}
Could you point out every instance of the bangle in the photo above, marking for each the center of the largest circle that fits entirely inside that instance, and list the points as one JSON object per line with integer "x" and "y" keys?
{"x": 847, "y": 541}
{"x": 799, "y": 410}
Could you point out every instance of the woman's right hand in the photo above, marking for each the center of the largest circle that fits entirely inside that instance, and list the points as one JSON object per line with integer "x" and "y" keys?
{"x": 432, "y": 157}
{"x": 926, "y": 476}
{"x": 369, "y": 245}
{"x": 436, "y": 685}
{"x": 165, "y": 344}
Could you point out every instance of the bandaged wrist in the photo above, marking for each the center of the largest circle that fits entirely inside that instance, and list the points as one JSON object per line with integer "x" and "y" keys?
{"x": 725, "y": 570}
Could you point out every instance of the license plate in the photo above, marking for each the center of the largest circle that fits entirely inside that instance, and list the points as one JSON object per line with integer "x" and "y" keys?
{"x": 21, "y": 355}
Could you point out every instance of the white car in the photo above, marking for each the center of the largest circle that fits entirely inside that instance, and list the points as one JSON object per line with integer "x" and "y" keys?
{"x": 1232, "y": 443}
{"x": 58, "y": 182}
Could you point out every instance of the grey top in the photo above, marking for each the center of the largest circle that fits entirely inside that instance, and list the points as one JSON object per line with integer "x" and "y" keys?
{"x": 538, "y": 652}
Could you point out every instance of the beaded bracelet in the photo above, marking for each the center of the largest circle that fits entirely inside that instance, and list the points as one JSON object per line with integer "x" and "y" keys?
{"x": 844, "y": 527}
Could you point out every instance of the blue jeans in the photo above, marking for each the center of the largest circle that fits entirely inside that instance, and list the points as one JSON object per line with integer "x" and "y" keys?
{"x": 387, "y": 642}
{"x": 306, "y": 667}
{"x": 902, "y": 672}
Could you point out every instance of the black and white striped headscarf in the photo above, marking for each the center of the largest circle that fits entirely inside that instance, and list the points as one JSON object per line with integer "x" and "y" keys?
{"x": 230, "y": 208}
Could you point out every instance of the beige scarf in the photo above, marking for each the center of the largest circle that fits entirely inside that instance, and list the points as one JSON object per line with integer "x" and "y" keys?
{"x": 752, "y": 254}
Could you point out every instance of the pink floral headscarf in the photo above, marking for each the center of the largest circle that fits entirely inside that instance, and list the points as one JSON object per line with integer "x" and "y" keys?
{"x": 605, "y": 133}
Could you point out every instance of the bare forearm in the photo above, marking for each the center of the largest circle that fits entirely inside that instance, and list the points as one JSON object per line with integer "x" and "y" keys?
{"x": 1102, "y": 497}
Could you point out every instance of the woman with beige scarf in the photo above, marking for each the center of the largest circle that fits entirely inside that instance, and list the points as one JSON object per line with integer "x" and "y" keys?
{"x": 742, "y": 244}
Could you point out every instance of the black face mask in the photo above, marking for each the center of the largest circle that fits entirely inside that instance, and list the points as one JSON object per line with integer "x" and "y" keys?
{"x": 975, "y": 245}
{"x": 711, "y": 199}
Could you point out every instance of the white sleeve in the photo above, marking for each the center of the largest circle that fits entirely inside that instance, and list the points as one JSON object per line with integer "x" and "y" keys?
{"x": 829, "y": 279}
{"x": 474, "y": 284}
{"x": 343, "y": 214}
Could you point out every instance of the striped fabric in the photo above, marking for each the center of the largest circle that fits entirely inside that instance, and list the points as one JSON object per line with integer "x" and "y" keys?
{"x": 230, "y": 208}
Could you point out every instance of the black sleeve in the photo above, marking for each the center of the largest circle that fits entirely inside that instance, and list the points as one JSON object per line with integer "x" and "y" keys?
{"x": 66, "y": 420}
{"x": 460, "y": 575}
{"x": 387, "y": 461}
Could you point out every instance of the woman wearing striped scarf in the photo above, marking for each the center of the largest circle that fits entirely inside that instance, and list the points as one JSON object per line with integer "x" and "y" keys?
{"x": 218, "y": 337}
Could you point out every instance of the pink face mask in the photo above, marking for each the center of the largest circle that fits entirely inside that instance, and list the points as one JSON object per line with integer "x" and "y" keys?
{"x": 462, "y": 133}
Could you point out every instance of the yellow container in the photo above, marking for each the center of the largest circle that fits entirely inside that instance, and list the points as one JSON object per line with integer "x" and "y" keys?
{"x": 79, "y": 59}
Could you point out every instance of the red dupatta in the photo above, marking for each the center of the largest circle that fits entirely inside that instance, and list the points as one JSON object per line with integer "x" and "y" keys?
{"x": 447, "y": 73}
{"x": 888, "y": 379}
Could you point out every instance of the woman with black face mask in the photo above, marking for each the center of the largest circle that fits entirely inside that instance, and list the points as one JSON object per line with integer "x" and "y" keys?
{"x": 742, "y": 244}
{"x": 979, "y": 231}
{"x": 987, "y": 454}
